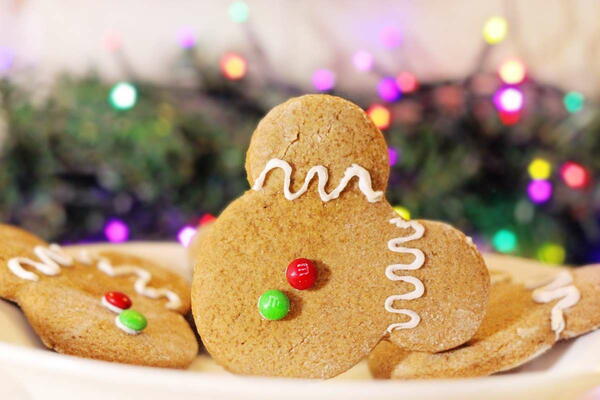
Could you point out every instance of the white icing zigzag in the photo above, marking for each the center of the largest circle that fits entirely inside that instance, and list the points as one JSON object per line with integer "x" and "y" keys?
{"x": 390, "y": 272}
{"x": 141, "y": 283}
{"x": 560, "y": 288}
{"x": 53, "y": 257}
{"x": 364, "y": 181}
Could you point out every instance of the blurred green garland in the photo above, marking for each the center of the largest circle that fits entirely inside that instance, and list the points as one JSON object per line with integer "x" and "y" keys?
{"x": 70, "y": 161}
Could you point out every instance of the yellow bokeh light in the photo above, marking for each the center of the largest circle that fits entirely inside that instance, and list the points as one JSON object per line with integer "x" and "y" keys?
{"x": 233, "y": 66}
{"x": 512, "y": 71}
{"x": 495, "y": 30}
{"x": 551, "y": 253}
{"x": 540, "y": 168}
{"x": 403, "y": 212}
{"x": 380, "y": 115}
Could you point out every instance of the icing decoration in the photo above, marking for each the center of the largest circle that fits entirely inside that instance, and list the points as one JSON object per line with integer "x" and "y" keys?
{"x": 116, "y": 301}
{"x": 364, "y": 181}
{"x": 53, "y": 257}
{"x": 301, "y": 274}
{"x": 390, "y": 273}
{"x": 560, "y": 288}
{"x": 131, "y": 322}
{"x": 141, "y": 283}
{"x": 273, "y": 305}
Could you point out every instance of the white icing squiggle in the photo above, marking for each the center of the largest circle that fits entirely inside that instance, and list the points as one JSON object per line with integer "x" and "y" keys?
{"x": 560, "y": 288}
{"x": 390, "y": 273}
{"x": 141, "y": 283}
{"x": 52, "y": 258}
{"x": 364, "y": 181}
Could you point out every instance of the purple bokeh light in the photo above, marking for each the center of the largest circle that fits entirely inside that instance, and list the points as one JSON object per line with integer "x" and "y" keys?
{"x": 390, "y": 37}
{"x": 393, "y": 155}
{"x": 186, "y": 36}
{"x": 323, "y": 80}
{"x": 388, "y": 90}
{"x": 362, "y": 60}
{"x": 185, "y": 235}
{"x": 116, "y": 231}
{"x": 7, "y": 57}
{"x": 509, "y": 99}
{"x": 539, "y": 191}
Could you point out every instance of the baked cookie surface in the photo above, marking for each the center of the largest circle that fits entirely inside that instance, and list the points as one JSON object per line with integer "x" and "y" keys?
{"x": 318, "y": 168}
{"x": 63, "y": 295}
{"x": 524, "y": 319}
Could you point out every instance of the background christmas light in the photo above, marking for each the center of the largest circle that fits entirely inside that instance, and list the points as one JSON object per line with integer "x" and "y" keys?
{"x": 498, "y": 152}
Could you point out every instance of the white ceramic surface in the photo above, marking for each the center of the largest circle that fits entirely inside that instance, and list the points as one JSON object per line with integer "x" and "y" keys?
{"x": 29, "y": 371}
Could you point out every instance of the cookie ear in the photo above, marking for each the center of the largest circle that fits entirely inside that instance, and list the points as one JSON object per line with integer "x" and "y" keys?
{"x": 316, "y": 130}
{"x": 456, "y": 288}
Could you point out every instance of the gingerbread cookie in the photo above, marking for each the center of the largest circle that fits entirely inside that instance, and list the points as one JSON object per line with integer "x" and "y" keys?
{"x": 305, "y": 273}
{"x": 521, "y": 323}
{"x": 109, "y": 306}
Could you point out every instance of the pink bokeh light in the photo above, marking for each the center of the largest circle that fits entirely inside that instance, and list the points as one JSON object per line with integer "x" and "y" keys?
{"x": 390, "y": 37}
{"x": 539, "y": 191}
{"x": 362, "y": 60}
{"x": 116, "y": 231}
{"x": 509, "y": 99}
{"x": 186, "y": 36}
{"x": 323, "y": 80}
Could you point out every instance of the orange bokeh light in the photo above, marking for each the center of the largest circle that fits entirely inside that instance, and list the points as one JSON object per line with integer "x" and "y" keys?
{"x": 380, "y": 115}
{"x": 233, "y": 66}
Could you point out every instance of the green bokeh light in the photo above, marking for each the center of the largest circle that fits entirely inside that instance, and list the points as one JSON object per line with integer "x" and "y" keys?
{"x": 574, "y": 101}
{"x": 123, "y": 96}
{"x": 238, "y": 12}
{"x": 505, "y": 241}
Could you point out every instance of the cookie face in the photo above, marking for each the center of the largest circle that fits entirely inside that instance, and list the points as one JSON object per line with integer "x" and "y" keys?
{"x": 318, "y": 168}
{"x": 106, "y": 306}
{"x": 521, "y": 323}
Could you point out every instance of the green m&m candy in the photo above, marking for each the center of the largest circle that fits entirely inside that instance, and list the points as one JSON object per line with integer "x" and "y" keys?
{"x": 131, "y": 321}
{"x": 273, "y": 305}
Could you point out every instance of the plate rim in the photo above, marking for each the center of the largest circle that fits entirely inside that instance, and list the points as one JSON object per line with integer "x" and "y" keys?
{"x": 221, "y": 383}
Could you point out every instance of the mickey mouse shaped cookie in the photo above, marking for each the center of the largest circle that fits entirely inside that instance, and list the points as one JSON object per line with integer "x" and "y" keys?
{"x": 305, "y": 273}
{"x": 111, "y": 306}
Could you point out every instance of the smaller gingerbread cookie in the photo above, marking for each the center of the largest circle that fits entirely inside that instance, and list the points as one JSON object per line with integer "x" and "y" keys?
{"x": 106, "y": 306}
{"x": 521, "y": 323}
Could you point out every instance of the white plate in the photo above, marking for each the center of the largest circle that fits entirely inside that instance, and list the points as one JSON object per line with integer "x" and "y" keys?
{"x": 28, "y": 370}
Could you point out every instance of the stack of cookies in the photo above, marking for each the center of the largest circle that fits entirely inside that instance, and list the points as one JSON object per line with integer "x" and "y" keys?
{"x": 306, "y": 274}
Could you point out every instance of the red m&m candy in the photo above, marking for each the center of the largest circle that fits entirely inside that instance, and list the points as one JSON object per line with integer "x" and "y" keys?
{"x": 116, "y": 301}
{"x": 301, "y": 274}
